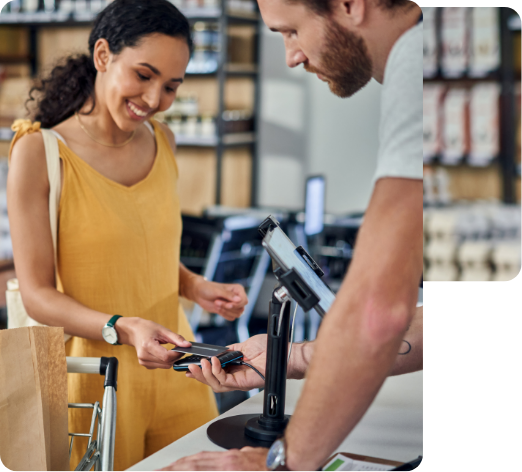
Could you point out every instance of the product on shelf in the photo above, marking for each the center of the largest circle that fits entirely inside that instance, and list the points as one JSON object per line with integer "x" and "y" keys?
{"x": 485, "y": 41}
{"x": 205, "y": 58}
{"x": 431, "y": 107}
{"x": 455, "y": 41}
{"x": 474, "y": 258}
{"x": 472, "y": 241}
{"x": 455, "y": 129}
{"x": 505, "y": 257}
{"x": 430, "y": 44}
{"x": 484, "y": 123}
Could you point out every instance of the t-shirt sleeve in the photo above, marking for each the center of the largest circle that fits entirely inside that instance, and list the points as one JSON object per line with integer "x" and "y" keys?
{"x": 400, "y": 132}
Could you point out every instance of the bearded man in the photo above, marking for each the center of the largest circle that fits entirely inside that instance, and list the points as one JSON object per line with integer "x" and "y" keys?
{"x": 346, "y": 43}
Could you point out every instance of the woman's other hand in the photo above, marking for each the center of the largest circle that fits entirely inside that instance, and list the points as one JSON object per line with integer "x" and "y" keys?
{"x": 147, "y": 337}
{"x": 227, "y": 300}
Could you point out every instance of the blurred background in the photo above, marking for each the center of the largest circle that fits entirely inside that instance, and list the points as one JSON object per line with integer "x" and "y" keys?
{"x": 471, "y": 144}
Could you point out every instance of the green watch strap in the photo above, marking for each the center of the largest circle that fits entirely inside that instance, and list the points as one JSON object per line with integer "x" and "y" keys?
{"x": 111, "y": 324}
{"x": 113, "y": 320}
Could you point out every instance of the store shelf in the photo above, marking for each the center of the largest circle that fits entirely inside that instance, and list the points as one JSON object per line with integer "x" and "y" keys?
{"x": 465, "y": 80}
{"x": 239, "y": 139}
{"x": 231, "y": 139}
{"x": 233, "y": 70}
{"x": 197, "y": 141}
{"x": 15, "y": 59}
{"x": 43, "y": 18}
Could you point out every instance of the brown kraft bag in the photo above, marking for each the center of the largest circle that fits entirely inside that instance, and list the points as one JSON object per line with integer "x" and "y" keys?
{"x": 33, "y": 399}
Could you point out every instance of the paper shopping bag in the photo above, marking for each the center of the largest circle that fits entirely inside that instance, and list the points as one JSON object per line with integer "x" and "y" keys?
{"x": 33, "y": 399}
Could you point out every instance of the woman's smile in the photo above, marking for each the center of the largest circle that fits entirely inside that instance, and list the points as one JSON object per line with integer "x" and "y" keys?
{"x": 136, "y": 112}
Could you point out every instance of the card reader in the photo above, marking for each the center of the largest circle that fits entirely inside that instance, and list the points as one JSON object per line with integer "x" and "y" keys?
{"x": 225, "y": 358}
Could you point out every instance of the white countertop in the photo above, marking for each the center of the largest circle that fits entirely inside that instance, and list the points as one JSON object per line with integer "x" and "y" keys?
{"x": 391, "y": 428}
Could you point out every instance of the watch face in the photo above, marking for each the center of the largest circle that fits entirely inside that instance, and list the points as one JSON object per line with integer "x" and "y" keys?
{"x": 276, "y": 455}
{"x": 110, "y": 335}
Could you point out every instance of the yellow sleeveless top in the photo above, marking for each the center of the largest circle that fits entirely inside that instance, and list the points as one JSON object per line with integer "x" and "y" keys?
{"x": 118, "y": 246}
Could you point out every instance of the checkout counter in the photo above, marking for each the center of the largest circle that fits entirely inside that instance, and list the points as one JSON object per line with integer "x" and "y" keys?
{"x": 390, "y": 429}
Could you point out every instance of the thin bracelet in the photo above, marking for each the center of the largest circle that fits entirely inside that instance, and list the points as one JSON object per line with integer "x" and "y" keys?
{"x": 409, "y": 348}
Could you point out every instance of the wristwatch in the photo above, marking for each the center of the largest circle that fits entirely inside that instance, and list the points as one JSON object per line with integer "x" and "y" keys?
{"x": 276, "y": 457}
{"x": 109, "y": 332}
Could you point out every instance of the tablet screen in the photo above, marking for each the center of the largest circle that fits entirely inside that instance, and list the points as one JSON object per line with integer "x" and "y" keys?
{"x": 285, "y": 254}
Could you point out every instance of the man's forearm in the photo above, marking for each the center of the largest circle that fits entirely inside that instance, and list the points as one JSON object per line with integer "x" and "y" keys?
{"x": 409, "y": 358}
{"x": 361, "y": 334}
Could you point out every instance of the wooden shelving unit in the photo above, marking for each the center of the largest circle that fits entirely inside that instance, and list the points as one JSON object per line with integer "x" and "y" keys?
{"x": 507, "y": 76}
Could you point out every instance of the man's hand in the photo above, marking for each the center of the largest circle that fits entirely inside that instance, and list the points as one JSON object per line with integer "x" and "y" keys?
{"x": 235, "y": 377}
{"x": 248, "y": 458}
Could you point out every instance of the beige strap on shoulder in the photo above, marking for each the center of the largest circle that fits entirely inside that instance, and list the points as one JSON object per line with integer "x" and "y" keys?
{"x": 52, "y": 156}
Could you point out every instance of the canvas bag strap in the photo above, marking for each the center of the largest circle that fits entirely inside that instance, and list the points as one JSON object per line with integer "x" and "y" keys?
{"x": 52, "y": 156}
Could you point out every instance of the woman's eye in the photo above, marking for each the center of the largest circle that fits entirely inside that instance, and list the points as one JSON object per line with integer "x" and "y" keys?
{"x": 142, "y": 77}
{"x": 169, "y": 89}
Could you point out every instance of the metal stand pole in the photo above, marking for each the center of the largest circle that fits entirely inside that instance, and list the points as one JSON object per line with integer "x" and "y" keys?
{"x": 261, "y": 430}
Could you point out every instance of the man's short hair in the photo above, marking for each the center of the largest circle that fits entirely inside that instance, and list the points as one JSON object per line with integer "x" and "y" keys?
{"x": 323, "y": 7}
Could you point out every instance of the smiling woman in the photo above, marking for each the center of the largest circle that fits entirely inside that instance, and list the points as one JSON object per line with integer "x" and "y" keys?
{"x": 119, "y": 224}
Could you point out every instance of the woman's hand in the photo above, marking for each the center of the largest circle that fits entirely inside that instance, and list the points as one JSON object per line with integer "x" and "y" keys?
{"x": 235, "y": 377}
{"x": 227, "y": 300}
{"x": 147, "y": 337}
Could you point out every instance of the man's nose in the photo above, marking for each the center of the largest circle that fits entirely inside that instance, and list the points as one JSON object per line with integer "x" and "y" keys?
{"x": 294, "y": 57}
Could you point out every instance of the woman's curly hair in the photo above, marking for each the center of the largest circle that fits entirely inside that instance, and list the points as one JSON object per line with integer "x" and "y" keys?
{"x": 123, "y": 23}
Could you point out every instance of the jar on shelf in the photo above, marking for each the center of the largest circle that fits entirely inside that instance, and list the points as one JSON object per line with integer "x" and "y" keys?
{"x": 208, "y": 125}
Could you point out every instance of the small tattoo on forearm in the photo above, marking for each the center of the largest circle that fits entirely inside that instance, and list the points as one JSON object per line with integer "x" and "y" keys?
{"x": 408, "y": 350}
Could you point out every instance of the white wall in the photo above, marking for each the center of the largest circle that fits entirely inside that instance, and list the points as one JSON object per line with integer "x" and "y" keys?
{"x": 306, "y": 130}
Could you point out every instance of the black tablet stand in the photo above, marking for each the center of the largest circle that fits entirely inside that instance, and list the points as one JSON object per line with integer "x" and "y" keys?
{"x": 261, "y": 430}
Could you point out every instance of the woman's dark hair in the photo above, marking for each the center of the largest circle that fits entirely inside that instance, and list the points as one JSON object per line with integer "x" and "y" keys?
{"x": 123, "y": 23}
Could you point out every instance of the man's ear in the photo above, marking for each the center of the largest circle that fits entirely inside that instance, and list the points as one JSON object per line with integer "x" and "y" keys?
{"x": 352, "y": 11}
{"x": 101, "y": 55}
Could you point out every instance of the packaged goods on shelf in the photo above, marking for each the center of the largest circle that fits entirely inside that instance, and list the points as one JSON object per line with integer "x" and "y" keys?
{"x": 430, "y": 45}
{"x": 205, "y": 58}
{"x": 455, "y": 41}
{"x": 241, "y": 5}
{"x": 474, "y": 259}
{"x": 432, "y": 96}
{"x": 436, "y": 187}
{"x": 505, "y": 257}
{"x": 455, "y": 129}
{"x": 484, "y": 123}
{"x": 485, "y": 41}
{"x": 474, "y": 241}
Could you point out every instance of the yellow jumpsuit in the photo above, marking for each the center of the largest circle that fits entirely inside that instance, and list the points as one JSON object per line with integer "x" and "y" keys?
{"x": 118, "y": 253}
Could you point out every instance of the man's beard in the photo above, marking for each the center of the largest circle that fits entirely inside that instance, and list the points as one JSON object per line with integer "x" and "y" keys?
{"x": 346, "y": 62}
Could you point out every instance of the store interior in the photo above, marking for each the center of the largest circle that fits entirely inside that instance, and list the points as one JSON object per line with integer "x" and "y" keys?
{"x": 279, "y": 128}
{"x": 257, "y": 138}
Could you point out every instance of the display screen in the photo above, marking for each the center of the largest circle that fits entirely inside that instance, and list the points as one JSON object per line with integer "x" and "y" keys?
{"x": 284, "y": 252}
{"x": 314, "y": 206}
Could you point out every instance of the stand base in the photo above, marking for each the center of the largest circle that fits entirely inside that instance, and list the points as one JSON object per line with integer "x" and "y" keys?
{"x": 229, "y": 433}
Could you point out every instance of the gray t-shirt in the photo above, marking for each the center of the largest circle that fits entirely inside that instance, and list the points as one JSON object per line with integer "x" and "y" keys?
{"x": 400, "y": 129}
